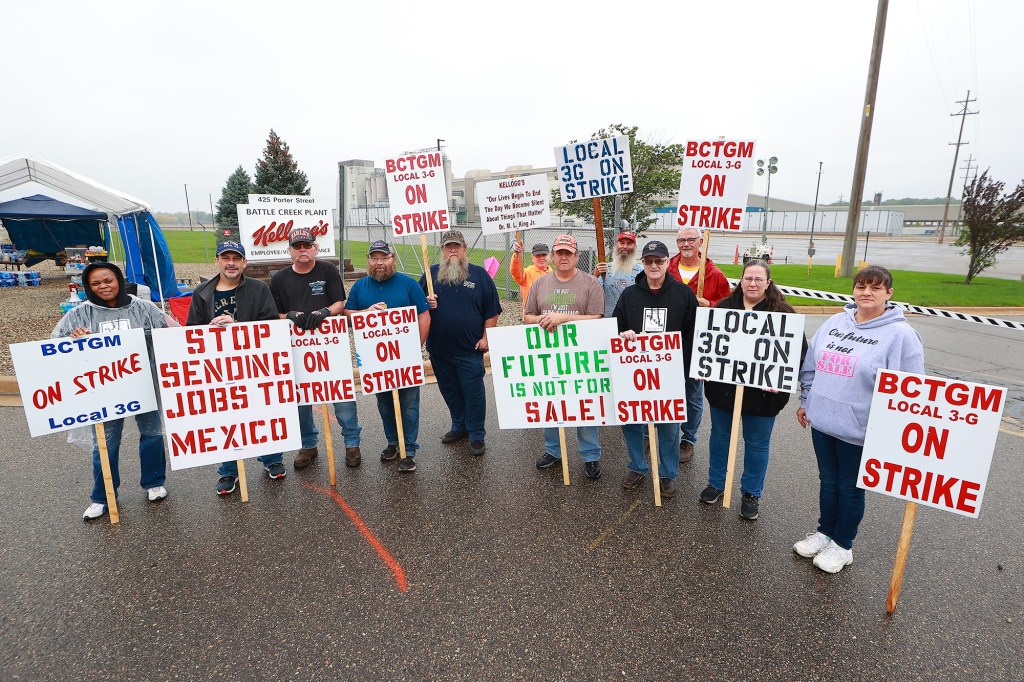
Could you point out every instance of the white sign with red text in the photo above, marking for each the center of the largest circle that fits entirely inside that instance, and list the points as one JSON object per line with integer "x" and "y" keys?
{"x": 388, "y": 349}
{"x": 748, "y": 348}
{"x": 417, "y": 193}
{"x": 930, "y": 440}
{"x": 322, "y": 360}
{"x": 552, "y": 378}
{"x": 514, "y": 204}
{"x": 714, "y": 184}
{"x": 595, "y": 168}
{"x": 226, "y": 392}
{"x": 66, "y": 383}
{"x": 266, "y": 221}
{"x": 645, "y": 378}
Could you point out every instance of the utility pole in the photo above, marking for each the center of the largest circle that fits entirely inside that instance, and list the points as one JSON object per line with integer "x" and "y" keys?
{"x": 966, "y": 168}
{"x": 963, "y": 114}
{"x": 814, "y": 214}
{"x": 864, "y": 142}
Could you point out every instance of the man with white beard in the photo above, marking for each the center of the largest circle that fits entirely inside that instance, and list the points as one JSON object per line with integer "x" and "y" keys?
{"x": 465, "y": 303}
{"x": 621, "y": 272}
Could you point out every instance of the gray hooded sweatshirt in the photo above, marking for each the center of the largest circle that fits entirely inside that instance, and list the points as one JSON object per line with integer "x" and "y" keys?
{"x": 837, "y": 378}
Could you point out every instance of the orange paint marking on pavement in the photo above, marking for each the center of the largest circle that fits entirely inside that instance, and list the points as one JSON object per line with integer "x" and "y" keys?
{"x": 385, "y": 555}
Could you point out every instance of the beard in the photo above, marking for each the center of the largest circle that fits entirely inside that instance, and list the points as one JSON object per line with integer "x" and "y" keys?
{"x": 623, "y": 265}
{"x": 384, "y": 275}
{"x": 455, "y": 270}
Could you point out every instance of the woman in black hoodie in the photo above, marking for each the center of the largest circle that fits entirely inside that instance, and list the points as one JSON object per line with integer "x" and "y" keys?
{"x": 755, "y": 291}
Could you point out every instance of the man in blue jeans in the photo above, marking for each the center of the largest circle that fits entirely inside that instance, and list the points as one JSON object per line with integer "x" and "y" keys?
{"x": 307, "y": 293}
{"x": 226, "y": 298}
{"x": 464, "y": 305}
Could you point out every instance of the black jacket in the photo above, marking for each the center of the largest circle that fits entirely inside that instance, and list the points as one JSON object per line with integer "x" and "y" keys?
{"x": 756, "y": 402}
{"x": 252, "y": 297}
{"x": 677, "y": 300}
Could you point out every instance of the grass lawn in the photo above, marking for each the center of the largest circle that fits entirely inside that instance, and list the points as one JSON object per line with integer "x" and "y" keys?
{"x": 919, "y": 288}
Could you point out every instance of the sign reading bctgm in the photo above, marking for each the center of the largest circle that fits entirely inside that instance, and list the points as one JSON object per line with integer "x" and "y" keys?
{"x": 930, "y": 440}
{"x": 645, "y": 376}
{"x": 595, "y": 168}
{"x": 322, "y": 359}
{"x": 714, "y": 184}
{"x": 417, "y": 193}
{"x": 66, "y": 383}
{"x": 388, "y": 349}
{"x": 748, "y": 348}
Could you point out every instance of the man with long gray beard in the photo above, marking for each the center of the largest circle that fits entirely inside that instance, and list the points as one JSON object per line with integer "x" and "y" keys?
{"x": 465, "y": 303}
{"x": 383, "y": 288}
{"x": 621, "y": 272}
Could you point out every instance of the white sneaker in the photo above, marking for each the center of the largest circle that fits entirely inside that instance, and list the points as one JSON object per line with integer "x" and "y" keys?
{"x": 833, "y": 558}
{"x": 94, "y": 511}
{"x": 156, "y": 494}
{"x": 812, "y": 544}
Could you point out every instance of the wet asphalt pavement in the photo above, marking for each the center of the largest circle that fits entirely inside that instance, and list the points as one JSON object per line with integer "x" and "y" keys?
{"x": 486, "y": 568}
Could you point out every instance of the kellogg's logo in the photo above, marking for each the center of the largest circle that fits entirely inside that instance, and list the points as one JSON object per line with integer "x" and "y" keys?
{"x": 265, "y": 235}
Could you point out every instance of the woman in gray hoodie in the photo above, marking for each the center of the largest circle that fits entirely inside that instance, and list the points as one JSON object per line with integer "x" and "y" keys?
{"x": 108, "y": 308}
{"x": 837, "y": 380}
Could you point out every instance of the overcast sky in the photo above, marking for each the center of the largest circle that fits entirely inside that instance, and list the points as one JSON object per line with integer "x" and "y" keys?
{"x": 145, "y": 97}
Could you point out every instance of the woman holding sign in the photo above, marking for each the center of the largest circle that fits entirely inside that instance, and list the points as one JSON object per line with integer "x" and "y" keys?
{"x": 755, "y": 291}
{"x": 837, "y": 381}
{"x": 109, "y": 308}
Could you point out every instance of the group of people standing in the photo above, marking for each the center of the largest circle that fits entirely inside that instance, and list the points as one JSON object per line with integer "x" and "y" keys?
{"x": 646, "y": 291}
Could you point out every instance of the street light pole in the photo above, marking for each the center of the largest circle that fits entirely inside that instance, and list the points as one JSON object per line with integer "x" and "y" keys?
{"x": 814, "y": 215}
{"x": 771, "y": 168}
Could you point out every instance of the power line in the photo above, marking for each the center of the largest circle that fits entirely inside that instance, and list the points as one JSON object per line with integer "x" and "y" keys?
{"x": 963, "y": 114}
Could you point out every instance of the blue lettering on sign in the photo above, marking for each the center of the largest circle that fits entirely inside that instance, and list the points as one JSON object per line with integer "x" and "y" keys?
{"x": 71, "y": 345}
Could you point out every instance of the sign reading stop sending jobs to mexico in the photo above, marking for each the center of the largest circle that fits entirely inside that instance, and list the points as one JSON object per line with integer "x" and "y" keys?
{"x": 388, "y": 349}
{"x": 714, "y": 184}
{"x": 417, "y": 193}
{"x": 595, "y": 168}
{"x": 930, "y": 440}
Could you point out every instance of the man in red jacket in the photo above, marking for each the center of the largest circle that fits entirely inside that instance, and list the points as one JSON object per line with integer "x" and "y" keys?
{"x": 685, "y": 267}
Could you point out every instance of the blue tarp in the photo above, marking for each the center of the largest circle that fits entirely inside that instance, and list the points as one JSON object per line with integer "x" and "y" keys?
{"x": 146, "y": 254}
{"x": 46, "y": 226}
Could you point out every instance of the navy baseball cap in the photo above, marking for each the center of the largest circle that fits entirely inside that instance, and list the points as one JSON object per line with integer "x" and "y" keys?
{"x": 380, "y": 246}
{"x": 655, "y": 249}
{"x": 224, "y": 247}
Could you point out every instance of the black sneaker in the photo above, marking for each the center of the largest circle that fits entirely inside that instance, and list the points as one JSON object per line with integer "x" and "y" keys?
{"x": 453, "y": 437}
{"x": 477, "y": 448}
{"x": 226, "y": 485}
{"x": 710, "y": 495}
{"x": 389, "y": 453}
{"x": 547, "y": 461}
{"x": 592, "y": 470}
{"x": 275, "y": 470}
{"x": 407, "y": 465}
{"x": 749, "y": 506}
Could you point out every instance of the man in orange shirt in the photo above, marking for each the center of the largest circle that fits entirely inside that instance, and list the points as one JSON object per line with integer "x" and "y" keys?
{"x": 526, "y": 278}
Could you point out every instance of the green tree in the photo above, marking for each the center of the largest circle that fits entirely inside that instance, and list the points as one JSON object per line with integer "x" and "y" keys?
{"x": 993, "y": 222}
{"x": 236, "y": 191}
{"x": 656, "y": 170}
{"x": 277, "y": 172}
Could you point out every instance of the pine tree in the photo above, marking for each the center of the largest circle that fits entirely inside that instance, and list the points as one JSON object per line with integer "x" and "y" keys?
{"x": 277, "y": 172}
{"x": 236, "y": 191}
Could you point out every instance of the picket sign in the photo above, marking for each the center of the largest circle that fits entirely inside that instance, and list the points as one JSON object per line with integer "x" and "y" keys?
{"x": 713, "y": 184}
{"x": 930, "y": 442}
{"x": 748, "y": 348}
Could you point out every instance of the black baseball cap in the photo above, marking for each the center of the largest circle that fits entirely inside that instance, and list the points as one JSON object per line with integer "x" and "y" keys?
{"x": 379, "y": 246}
{"x": 301, "y": 235}
{"x": 654, "y": 249}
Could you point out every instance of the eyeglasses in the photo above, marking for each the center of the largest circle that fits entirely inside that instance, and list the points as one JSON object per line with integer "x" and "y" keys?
{"x": 753, "y": 280}
{"x": 379, "y": 259}
{"x": 655, "y": 261}
{"x": 687, "y": 240}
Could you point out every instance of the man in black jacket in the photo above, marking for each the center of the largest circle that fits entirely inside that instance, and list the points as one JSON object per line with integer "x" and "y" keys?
{"x": 656, "y": 303}
{"x": 226, "y": 298}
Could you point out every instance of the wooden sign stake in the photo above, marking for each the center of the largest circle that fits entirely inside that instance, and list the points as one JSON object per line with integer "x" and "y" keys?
{"x": 652, "y": 438}
{"x": 430, "y": 281}
{"x": 243, "y": 485}
{"x": 565, "y": 460}
{"x": 398, "y": 415}
{"x": 599, "y": 227}
{"x": 330, "y": 443}
{"x": 108, "y": 481}
{"x": 902, "y": 549}
{"x": 734, "y": 441}
{"x": 703, "y": 263}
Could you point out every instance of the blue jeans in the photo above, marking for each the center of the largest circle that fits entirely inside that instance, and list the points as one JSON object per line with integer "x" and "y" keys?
{"x": 231, "y": 468}
{"x": 409, "y": 401}
{"x": 757, "y": 436}
{"x": 668, "y": 448}
{"x": 589, "y": 446}
{"x": 694, "y": 410}
{"x": 151, "y": 454}
{"x": 840, "y": 500}
{"x": 460, "y": 378}
{"x": 346, "y": 415}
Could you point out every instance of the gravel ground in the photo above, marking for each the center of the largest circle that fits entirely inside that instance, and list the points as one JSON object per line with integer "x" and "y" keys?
{"x": 30, "y": 313}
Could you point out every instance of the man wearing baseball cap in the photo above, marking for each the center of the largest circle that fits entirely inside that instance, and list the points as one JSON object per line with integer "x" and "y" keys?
{"x": 307, "y": 293}
{"x": 526, "y": 277}
{"x": 464, "y": 305}
{"x": 221, "y": 300}
{"x": 657, "y": 303}
{"x": 384, "y": 287}
{"x": 566, "y": 295}
{"x": 621, "y": 272}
